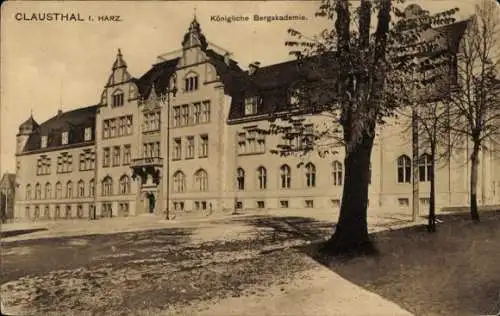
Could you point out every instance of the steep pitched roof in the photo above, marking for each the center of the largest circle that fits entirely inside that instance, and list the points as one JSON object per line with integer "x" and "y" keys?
{"x": 74, "y": 122}
{"x": 159, "y": 75}
{"x": 8, "y": 180}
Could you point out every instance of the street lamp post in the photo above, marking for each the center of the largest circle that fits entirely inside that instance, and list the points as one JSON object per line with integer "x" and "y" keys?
{"x": 169, "y": 91}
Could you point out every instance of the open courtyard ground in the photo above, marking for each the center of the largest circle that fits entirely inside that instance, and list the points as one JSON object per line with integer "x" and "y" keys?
{"x": 255, "y": 264}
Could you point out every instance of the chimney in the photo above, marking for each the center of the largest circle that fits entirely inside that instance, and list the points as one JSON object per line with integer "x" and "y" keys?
{"x": 227, "y": 60}
{"x": 252, "y": 68}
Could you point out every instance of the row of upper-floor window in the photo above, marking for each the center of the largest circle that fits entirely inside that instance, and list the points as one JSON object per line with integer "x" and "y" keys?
{"x": 112, "y": 156}
{"x": 151, "y": 121}
{"x": 151, "y": 149}
{"x": 191, "y": 114}
{"x": 189, "y": 151}
{"x": 116, "y": 127}
{"x": 36, "y": 214}
{"x": 82, "y": 189}
{"x": 87, "y": 136}
{"x": 65, "y": 163}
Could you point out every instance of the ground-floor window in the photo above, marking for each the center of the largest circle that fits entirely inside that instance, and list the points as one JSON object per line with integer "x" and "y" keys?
{"x": 57, "y": 212}
{"x": 261, "y": 204}
{"x": 403, "y": 202}
{"x": 309, "y": 203}
{"x": 68, "y": 212}
{"x": 284, "y": 204}
{"x": 79, "y": 211}
{"x": 124, "y": 208}
{"x": 36, "y": 215}
{"x": 46, "y": 212}
{"x": 27, "y": 212}
{"x": 239, "y": 205}
{"x": 107, "y": 210}
{"x": 335, "y": 203}
{"x": 179, "y": 206}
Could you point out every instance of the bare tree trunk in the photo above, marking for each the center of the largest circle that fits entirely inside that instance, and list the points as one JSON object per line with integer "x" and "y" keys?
{"x": 351, "y": 233}
{"x": 432, "y": 198}
{"x": 473, "y": 182}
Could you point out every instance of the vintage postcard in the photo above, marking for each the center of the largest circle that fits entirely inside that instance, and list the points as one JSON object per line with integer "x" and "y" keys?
{"x": 326, "y": 157}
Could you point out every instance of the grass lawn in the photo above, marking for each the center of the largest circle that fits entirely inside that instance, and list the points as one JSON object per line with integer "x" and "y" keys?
{"x": 455, "y": 271}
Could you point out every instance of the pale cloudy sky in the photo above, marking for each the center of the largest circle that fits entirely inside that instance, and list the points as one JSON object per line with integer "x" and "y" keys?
{"x": 48, "y": 64}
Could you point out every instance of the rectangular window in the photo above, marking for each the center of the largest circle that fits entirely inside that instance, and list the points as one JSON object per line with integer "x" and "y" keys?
{"x": 185, "y": 115}
{"x": 191, "y": 83}
{"x": 177, "y": 149}
{"x": 251, "y": 105}
{"x": 242, "y": 143}
{"x": 190, "y": 147}
{"x": 44, "y": 141}
{"x": 197, "y": 113}
{"x": 126, "y": 155}
{"x": 64, "y": 138}
{"x": 112, "y": 126}
{"x": 205, "y": 112}
{"x": 261, "y": 204}
{"x": 105, "y": 157}
{"x": 116, "y": 155}
{"x": 121, "y": 126}
{"x": 203, "y": 146}
{"x": 87, "y": 134}
{"x": 177, "y": 116}
{"x": 425, "y": 202}
{"x": 284, "y": 204}
{"x": 105, "y": 129}
{"x": 129, "y": 125}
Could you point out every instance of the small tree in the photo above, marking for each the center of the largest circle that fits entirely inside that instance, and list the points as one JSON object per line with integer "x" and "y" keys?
{"x": 475, "y": 98}
{"x": 348, "y": 78}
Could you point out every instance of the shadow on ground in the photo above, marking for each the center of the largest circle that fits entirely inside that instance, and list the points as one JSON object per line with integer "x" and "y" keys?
{"x": 277, "y": 228}
{"x": 39, "y": 256}
{"x": 454, "y": 271}
{"x": 17, "y": 232}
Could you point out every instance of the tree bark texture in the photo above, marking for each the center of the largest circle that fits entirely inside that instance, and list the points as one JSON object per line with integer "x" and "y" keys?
{"x": 473, "y": 182}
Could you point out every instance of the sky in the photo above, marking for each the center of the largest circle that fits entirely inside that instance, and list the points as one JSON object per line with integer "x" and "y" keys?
{"x": 62, "y": 64}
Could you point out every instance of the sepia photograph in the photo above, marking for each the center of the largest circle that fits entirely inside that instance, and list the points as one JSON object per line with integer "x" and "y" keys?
{"x": 320, "y": 157}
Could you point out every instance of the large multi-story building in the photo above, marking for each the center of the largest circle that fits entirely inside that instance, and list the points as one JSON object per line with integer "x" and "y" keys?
{"x": 188, "y": 135}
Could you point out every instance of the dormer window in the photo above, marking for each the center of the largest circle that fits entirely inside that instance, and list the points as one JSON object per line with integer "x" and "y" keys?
{"x": 191, "y": 83}
{"x": 293, "y": 97}
{"x": 251, "y": 105}
{"x": 44, "y": 142}
{"x": 88, "y": 134}
{"x": 117, "y": 98}
{"x": 64, "y": 138}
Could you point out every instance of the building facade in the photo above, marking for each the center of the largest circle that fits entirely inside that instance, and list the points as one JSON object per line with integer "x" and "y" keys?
{"x": 190, "y": 135}
{"x": 7, "y": 196}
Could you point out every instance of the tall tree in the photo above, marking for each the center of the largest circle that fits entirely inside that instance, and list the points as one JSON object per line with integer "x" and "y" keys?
{"x": 476, "y": 96}
{"x": 348, "y": 78}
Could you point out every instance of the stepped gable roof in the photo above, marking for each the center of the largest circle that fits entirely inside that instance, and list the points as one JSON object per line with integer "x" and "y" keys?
{"x": 159, "y": 75}
{"x": 74, "y": 122}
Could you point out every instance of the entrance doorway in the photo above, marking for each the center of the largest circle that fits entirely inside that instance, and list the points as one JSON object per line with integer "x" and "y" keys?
{"x": 151, "y": 199}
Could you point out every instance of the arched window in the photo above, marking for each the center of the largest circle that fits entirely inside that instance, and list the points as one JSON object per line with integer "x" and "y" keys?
{"x": 107, "y": 186}
{"x": 117, "y": 98}
{"x": 92, "y": 188}
{"x": 337, "y": 173}
{"x": 58, "y": 190}
{"x": 404, "y": 169}
{"x": 179, "y": 182}
{"x": 262, "y": 178}
{"x": 286, "y": 177}
{"x": 38, "y": 191}
{"x": 69, "y": 190}
{"x": 240, "y": 178}
{"x": 310, "y": 175}
{"x": 201, "y": 180}
{"x": 80, "y": 189}
{"x": 28, "y": 192}
{"x": 48, "y": 190}
{"x": 425, "y": 167}
{"x": 125, "y": 184}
